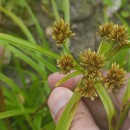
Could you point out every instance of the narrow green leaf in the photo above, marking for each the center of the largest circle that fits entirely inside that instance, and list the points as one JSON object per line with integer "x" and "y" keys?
{"x": 68, "y": 114}
{"x": 25, "y": 58}
{"x": 49, "y": 64}
{"x": 19, "y": 23}
{"x": 16, "y": 112}
{"x": 67, "y": 77}
{"x": 108, "y": 104}
{"x": 116, "y": 50}
{"x": 38, "y": 27}
{"x": 49, "y": 126}
{"x": 8, "y": 39}
{"x": 125, "y": 107}
{"x": 105, "y": 47}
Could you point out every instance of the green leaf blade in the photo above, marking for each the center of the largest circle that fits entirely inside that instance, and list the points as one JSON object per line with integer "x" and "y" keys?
{"x": 67, "y": 77}
{"x": 68, "y": 114}
{"x": 8, "y": 39}
{"x": 108, "y": 104}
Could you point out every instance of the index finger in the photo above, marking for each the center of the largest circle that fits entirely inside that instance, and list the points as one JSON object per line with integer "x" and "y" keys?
{"x": 70, "y": 83}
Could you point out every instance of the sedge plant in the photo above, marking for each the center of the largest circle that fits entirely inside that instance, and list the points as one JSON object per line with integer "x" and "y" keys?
{"x": 20, "y": 101}
{"x": 91, "y": 65}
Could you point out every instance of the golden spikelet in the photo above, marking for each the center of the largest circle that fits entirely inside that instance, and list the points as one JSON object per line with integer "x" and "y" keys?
{"x": 87, "y": 89}
{"x": 92, "y": 74}
{"x": 61, "y": 31}
{"x": 91, "y": 60}
{"x": 105, "y": 30}
{"x": 119, "y": 34}
{"x": 115, "y": 78}
{"x": 65, "y": 63}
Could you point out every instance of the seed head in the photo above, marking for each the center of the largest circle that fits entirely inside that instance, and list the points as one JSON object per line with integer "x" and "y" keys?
{"x": 119, "y": 34}
{"x": 65, "y": 63}
{"x": 105, "y": 30}
{"x": 91, "y": 60}
{"x": 61, "y": 31}
{"x": 92, "y": 74}
{"x": 115, "y": 78}
{"x": 87, "y": 89}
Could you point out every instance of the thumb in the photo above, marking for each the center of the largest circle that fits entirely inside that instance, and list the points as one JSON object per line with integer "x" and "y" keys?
{"x": 82, "y": 119}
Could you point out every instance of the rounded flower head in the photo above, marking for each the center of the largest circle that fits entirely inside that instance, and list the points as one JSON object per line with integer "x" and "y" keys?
{"x": 91, "y": 60}
{"x": 87, "y": 89}
{"x": 105, "y": 30}
{"x": 119, "y": 34}
{"x": 65, "y": 63}
{"x": 115, "y": 78}
{"x": 61, "y": 31}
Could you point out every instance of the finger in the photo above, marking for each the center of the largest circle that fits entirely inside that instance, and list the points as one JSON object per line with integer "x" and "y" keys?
{"x": 70, "y": 83}
{"x": 82, "y": 119}
{"x": 100, "y": 113}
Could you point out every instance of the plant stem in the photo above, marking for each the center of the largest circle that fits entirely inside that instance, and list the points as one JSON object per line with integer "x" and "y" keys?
{"x": 66, "y": 49}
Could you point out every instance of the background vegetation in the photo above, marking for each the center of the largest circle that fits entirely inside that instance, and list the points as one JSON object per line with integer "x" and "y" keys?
{"x": 28, "y": 53}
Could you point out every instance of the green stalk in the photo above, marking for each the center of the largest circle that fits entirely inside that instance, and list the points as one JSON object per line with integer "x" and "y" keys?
{"x": 77, "y": 66}
{"x": 66, "y": 10}
{"x": 56, "y": 14}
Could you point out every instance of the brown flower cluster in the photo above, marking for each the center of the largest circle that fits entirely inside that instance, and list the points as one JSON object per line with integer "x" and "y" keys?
{"x": 112, "y": 32}
{"x": 61, "y": 31}
{"x": 119, "y": 34}
{"x": 65, "y": 63}
{"x": 92, "y": 61}
{"x": 105, "y": 30}
{"x": 87, "y": 89}
{"x": 115, "y": 78}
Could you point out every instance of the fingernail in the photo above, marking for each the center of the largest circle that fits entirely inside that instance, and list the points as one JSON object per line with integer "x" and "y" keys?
{"x": 58, "y": 98}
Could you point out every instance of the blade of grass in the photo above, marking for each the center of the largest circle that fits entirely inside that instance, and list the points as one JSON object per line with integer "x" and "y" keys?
{"x": 67, "y": 77}
{"x": 128, "y": 27}
{"x": 68, "y": 114}
{"x": 45, "y": 61}
{"x": 108, "y": 105}
{"x": 116, "y": 50}
{"x": 16, "y": 112}
{"x": 19, "y": 23}
{"x": 26, "y": 45}
{"x": 38, "y": 27}
{"x": 25, "y": 58}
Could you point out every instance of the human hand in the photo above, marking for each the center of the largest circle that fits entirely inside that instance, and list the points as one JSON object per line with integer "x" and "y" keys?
{"x": 90, "y": 115}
